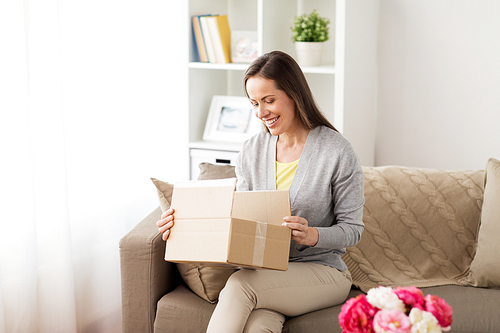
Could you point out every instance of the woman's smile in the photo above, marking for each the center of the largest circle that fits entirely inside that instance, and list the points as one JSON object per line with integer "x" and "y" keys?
{"x": 271, "y": 122}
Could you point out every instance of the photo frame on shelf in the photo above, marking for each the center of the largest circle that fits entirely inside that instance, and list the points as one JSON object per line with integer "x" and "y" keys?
{"x": 231, "y": 119}
{"x": 244, "y": 46}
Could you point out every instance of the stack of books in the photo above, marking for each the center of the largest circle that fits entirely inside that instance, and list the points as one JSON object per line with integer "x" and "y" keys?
{"x": 212, "y": 38}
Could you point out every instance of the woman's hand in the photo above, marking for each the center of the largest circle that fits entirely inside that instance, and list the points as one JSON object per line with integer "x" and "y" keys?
{"x": 166, "y": 222}
{"x": 301, "y": 232}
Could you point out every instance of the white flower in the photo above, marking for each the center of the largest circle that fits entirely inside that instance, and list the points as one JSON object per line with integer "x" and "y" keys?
{"x": 423, "y": 322}
{"x": 385, "y": 299}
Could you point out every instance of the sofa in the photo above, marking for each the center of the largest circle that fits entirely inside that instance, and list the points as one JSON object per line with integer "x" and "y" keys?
{"x": 438, "y": 230}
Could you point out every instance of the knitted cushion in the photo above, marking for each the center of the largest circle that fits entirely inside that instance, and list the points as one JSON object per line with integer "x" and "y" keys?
{"x": 420, "y": 227}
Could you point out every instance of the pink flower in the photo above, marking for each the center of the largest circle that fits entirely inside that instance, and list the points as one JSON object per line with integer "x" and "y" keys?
{"x": 411, "y": 297}
{"x": 357, "y": 315}
{"x": 439, "y": 309}
{"x": 391, "y": 321}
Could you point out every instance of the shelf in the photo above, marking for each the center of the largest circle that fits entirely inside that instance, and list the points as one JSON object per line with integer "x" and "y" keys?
{"x": 336, "y": 84}
{"x": 271, "y": 20}
{"x": 215, "y": 145}
{"x": 230, "y": 66}
{"x": 325, "y": 69}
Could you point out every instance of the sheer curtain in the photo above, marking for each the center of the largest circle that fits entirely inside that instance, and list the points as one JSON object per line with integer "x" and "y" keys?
{"x": 36, "y": 267}
{"x": 83, "y": 87}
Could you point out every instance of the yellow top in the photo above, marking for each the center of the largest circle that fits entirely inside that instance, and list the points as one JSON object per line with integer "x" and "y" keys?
{"x": 284, "y": 174}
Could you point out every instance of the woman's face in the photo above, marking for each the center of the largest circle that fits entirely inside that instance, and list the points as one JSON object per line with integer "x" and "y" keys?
{"x": 272, "y": 106}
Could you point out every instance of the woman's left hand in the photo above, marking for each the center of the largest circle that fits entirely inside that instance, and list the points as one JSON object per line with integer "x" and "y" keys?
{"x": 302, "y": 233}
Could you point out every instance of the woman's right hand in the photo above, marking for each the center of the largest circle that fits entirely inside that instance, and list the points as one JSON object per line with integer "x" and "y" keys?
{"x": 166, "y": 222}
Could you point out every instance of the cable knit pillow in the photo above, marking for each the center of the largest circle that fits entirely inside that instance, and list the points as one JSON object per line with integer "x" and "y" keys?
{"x": 420, "y": 227}
{"x": 485, "y": 268}
{"x": 204, "y": 281}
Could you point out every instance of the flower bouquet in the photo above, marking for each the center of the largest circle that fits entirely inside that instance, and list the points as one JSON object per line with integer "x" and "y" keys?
{"x": 398, "y": 310}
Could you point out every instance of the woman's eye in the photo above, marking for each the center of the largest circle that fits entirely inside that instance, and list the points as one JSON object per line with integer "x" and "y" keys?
{"x": 270, "y": 101}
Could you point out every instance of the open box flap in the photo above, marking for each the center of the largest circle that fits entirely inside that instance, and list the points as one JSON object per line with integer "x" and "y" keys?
{"x": 206, "y": 199}
{"x": 263, "y": 206}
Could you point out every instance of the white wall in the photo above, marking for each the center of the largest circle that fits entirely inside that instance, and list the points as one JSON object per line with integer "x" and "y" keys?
{"x": 439, "y": 83}
{"x": 360, "y": 90}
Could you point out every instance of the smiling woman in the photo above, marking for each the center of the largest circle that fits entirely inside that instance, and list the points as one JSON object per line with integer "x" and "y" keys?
{"x": 303, "y": 153}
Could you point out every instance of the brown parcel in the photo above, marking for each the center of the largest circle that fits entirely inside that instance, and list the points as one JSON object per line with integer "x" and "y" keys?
{"x": 217, "y": 226}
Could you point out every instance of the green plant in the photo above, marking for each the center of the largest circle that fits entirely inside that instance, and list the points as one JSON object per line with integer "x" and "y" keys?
{"x": 310, "y": 28}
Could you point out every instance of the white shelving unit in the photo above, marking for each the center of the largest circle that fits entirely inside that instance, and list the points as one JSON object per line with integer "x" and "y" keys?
{"x": 272, "y": 20}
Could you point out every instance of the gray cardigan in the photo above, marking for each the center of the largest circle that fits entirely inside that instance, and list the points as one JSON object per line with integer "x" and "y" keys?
{"x": 327, "y": 190}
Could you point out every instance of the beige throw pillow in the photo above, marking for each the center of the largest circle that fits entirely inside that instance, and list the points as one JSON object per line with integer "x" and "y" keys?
{"x": 204, "y": 281}
{"x": 164, "y": 191}
{"x": 485, "y": 268}
{"x": 420, "y": 227}
{"x": 212, "y": 171}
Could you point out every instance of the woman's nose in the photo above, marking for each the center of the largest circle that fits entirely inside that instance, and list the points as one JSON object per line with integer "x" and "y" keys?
{"x": 260, "y": 112}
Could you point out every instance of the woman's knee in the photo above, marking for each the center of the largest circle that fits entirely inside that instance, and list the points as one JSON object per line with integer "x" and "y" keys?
{"x": 239, "y": 285}
{"x": 264, "y": 320}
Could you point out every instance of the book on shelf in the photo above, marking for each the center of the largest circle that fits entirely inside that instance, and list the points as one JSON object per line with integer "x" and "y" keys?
{"x": 212, "y": 38}
{"x": 221, "y": 37}
{"x": 205, "y": 30}
{"x": 198, "y": 37}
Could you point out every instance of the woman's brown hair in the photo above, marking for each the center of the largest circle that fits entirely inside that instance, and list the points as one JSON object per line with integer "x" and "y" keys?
{"x": 288, "y": 77}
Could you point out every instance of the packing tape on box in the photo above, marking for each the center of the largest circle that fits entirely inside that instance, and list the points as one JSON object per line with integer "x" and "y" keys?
{"x": 260, "y": 244}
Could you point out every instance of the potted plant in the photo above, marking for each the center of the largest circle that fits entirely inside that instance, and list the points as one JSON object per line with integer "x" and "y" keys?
{"x": 309, "y": 34}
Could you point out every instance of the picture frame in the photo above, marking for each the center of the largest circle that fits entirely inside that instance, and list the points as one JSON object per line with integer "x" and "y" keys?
{"x": 231, "y": 119}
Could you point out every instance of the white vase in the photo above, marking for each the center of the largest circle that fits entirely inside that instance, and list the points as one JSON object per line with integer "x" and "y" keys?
{"x": 309, "y": 53}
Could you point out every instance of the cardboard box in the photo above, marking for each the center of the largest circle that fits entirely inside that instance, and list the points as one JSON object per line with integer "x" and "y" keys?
{"x": 217, "y": 226}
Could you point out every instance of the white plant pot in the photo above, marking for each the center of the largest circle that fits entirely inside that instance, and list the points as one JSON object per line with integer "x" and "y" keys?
{"x": 309, "y": 53}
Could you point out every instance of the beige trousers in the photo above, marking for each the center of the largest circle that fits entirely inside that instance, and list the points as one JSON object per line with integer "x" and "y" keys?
{"x": 258, "y": 300}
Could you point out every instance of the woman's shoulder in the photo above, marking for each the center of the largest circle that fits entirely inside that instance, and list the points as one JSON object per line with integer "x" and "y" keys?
{"x": 327, "y": 136}
{"x": 258, "y": 140}
{"x": 337, "y": 149}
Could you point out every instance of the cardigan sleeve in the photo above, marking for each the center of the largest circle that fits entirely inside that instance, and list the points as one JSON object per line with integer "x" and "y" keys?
{"x": 242, "y": 183}
{"x": 348, "y": 200}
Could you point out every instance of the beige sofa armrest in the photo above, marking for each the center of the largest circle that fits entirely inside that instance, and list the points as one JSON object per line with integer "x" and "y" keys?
{"x": 145, "y": 275}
